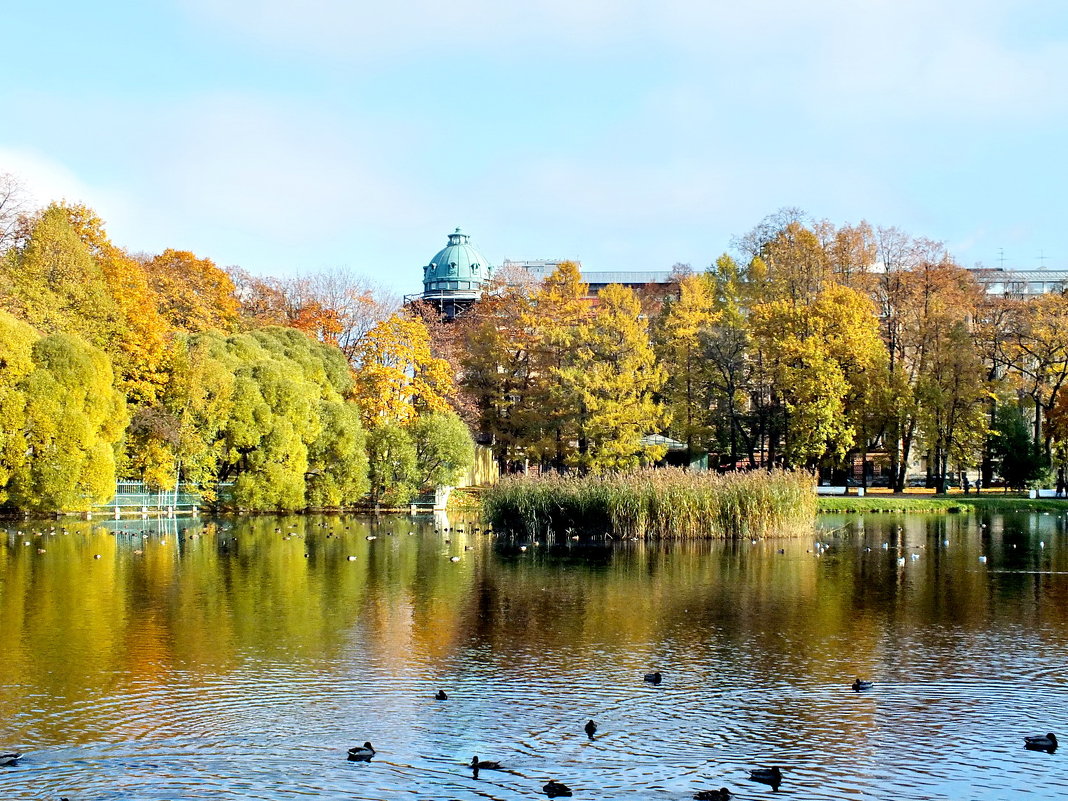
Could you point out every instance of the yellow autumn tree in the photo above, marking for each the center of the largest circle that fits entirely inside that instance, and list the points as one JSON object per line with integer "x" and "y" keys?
{"x": 826, "y": 360}
{"x": 613, "y": 378}
{"x": 139, "y": 348}
{"x": 397, "y": 377}
{"x": 194, "y": 295}
{"x": 553, "y": 317}
{"x": 683, "y": 326}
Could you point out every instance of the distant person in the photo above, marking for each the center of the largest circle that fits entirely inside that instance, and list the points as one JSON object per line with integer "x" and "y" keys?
{"x": 1060, "y": 485}
{"x": 978, "y": 485}
{"x": 965, "y": 484}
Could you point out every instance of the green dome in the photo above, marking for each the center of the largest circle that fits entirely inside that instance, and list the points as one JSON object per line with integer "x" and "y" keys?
{"x": 457, "y": 270}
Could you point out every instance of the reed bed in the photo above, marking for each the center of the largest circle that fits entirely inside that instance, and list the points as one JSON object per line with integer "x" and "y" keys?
{"x": 669, "y": 504}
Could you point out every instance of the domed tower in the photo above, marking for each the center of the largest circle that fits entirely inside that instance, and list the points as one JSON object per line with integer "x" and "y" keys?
{"x": 453, "y": 279}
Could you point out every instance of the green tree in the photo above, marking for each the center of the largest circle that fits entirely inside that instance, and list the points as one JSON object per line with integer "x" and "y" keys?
{"x": 74, "y": 419}
{"x": 444, "y": 448}
{"x": 337, "y": 458}
{"x": 265, "y": 410}
{"x": 393, "y": 465}
{"x": 1012, "y": 446}
{"x": 53, "y": 283}
{"x": 16, "y": 362}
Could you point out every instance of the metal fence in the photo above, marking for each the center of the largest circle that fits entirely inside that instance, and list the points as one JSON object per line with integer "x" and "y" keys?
{"x": 132, "y": 497}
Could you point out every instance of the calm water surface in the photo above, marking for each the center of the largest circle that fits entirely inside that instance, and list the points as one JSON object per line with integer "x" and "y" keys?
{"x": 231, "y": 661}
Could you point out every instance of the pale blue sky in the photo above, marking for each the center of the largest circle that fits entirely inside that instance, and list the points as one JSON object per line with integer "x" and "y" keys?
{"x": 285, "y": 136}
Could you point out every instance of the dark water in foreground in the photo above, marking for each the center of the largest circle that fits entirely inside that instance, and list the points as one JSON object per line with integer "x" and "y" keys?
{"x": 231, "y": 666}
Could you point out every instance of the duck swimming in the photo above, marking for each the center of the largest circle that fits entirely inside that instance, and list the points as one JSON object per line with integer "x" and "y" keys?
{"x": 722, "y": 794}
{"x": 555, "y": 789}
{"x": 1047, "y": 743}
{"x": 859, "y": 685}
{"x": 9, "y": 758}
{"x": 484, "y": 765}
{"x": 654, "y": 678}
{"x": 772, "y": 776}
{"x": 441, "y": 696}
{"x": 590, "y": 728}
{"x": 362, "y": 753}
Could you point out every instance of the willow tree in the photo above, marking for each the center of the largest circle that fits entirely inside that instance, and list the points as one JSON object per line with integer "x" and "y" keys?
{"x": 393, "y": 469}
{"x": 16, "y": 362}
{"x": 73, "y": 421}
{"x": 266, "y": 411}
{"x": 444, "y": 448}
{"x": 337, "y": 458}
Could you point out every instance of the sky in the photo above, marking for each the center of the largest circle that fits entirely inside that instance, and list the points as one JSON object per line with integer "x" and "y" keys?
{"x": 287, "y": 137}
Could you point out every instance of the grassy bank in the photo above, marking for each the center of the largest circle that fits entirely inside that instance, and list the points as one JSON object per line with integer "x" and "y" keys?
{"x": 655, "y": 503}
{"x": 933, "y": 503}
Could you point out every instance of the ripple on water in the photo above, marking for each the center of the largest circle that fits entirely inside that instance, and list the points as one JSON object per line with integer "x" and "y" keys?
{"x": 749, "y": 679}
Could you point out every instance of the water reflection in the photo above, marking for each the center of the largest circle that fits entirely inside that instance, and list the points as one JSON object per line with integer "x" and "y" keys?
{"x": 241, "y": 659}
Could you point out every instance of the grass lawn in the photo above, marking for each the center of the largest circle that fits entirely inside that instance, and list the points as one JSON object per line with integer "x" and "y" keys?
{"x": 933, "y": 503}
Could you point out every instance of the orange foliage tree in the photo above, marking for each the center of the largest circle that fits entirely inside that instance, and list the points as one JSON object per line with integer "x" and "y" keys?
{"x": 194, "y": 295}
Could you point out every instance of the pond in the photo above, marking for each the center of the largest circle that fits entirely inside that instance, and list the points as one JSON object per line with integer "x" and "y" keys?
{"x": 241, "y": 658}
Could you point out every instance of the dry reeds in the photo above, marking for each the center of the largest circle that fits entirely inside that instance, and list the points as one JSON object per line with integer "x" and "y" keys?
{"x": 657, "y": 503}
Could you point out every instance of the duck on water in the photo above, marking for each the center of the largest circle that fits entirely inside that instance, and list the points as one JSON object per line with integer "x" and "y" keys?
{"x": 362, "y": 753}
{"x": 555, "y": 789}
{"x": 722, "y": 794}
{"x": 1047, "y": 743}
{"x": 772, "y": 776}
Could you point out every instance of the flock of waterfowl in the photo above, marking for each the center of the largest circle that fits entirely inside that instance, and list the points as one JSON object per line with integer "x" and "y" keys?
{"x": 772, "y": 776}
{"x": 554, "y": 789}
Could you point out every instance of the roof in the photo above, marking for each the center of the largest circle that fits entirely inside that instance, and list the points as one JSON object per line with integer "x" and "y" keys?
{"x": 627, "y": 277}
{"x": 660, "y": 439}
{"x": 987, "y": 276}
{"x": 459, "y": 260}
